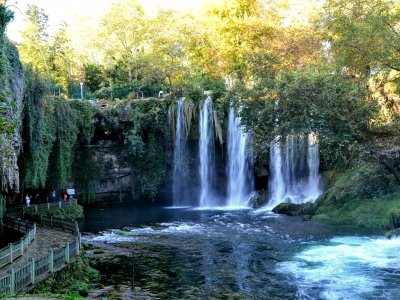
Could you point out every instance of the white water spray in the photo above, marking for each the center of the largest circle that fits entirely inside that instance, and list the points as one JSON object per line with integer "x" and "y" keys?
{"x": 207, "y": 154}
{"x": 240, "y": 178}
{"x": 180, "y": 171}
{"x": 294, "y": 170}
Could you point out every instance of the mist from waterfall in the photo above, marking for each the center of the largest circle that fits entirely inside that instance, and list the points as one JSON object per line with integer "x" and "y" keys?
{"x": 240, "y": 176}
{"x": 180, "y": 171}
{"x": 207, "y": 155}
{"x": 294, "y": 170}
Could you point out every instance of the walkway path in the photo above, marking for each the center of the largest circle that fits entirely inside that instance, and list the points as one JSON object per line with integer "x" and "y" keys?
{"x": 46, "y": 239}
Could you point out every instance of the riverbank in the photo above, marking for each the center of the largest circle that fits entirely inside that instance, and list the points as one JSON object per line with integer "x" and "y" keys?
{"x": 366, "y": 195}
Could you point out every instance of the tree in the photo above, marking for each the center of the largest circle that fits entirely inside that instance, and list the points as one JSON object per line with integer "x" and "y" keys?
{"x": 34, "y": 47}
{"x": 121, "y": 35}
{"x": 94, "y": 76}
{"x": 61, "y": 56}
{"x": 364, "y": 35}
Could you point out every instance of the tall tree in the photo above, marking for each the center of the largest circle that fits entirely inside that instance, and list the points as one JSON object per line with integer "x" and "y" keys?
{"x": 121, "y": 34}
{"x": 34, "y": 47}
{"x": 364, "y": 34}
{"x": 62, "y": 59}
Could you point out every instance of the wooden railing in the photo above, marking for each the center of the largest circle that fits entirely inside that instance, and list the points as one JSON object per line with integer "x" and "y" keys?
{"x": 17, "y": 249}
{"x": 17, "y": 280}
{"x": 49, "y": 205}
{"x": 53, "y": 222}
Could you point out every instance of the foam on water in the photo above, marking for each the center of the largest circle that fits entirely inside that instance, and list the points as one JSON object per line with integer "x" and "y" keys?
{"x": 111, "y": 237}
{"x": 221, "y": 208}
{"x": 177, "y": 207}
{"x": 356, "y": 266}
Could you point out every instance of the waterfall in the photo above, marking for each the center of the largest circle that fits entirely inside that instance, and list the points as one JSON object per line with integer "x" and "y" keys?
{"x": 207, "y": 154}
{"x": 294, "y": 170}
{"x": 240, "y": 179}
{"x": 313, "y": 187}
{"x": 180, "y": 171}
{"x": 276, "y": 184}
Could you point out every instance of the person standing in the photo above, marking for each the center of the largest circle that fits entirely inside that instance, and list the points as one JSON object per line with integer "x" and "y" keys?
{"x": 53, "y": 196}
{"x": 65, "y": 197}
{"x": 28, "y": 200}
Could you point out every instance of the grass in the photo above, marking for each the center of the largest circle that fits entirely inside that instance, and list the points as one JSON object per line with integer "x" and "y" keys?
{"x": 74, "y": 281}
{"x": 366, "y": 195}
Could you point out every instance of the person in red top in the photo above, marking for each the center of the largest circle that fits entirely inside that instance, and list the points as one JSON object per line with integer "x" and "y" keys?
{"x": 65, "y": 197}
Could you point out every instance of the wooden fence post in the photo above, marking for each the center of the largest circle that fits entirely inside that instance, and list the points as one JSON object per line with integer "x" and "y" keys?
{"x": 51, "y": 261}
{"x": 33, "y": 267}
{"x": 12, "y": 282}
{"x": 76, "y": 228}
{"x": 67, "y": 253}
{"x": 77, "y": 246}
{"x": 10, "y": 247}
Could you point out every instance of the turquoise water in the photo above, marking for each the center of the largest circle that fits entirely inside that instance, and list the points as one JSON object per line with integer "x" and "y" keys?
{"x": 201, "y": 254}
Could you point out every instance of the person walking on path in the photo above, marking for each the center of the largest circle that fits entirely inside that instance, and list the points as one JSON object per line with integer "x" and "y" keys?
{"x": 53, "y": 196}
{"x": 28, "y": 200}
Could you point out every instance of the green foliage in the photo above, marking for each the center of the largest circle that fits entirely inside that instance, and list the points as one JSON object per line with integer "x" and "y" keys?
{"x": 40, "y": 132}
{"x": 84, "y": 113}
{"x": 85, "y": 172}
{"x": 94, "y": 76}
{"x": 145, "y": 136}
{"x": 60, "y": 59}
{"x": 34, "y": 48}
{"x": 6, "y": 16}
{"x": 364, "y": 35}
{"x": 333, "y": 107}
{"x": 67, "y": 212}
{"x": 195, "y": 86}
{"x": 74, "y": 280}
{"x": 149, "y": 167}
{"x": 63, "y": 152}
{"x": 53, "y": 128}
{"x": 366, "y": 195}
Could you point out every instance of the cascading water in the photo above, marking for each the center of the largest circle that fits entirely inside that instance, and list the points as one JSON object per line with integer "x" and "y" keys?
{"x": 294, "y": 170}
{"x": 180, "y": 171}
{"x": 240, "y": 179}
{"x": 207, "y": 154}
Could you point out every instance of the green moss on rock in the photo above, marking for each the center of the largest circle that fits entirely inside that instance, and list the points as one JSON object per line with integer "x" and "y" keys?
{"x": 292, "y": 209}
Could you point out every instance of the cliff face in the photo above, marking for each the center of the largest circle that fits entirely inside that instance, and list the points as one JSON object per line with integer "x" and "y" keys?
{"x": 11, "y": 106}
{"x": 115, "y": 172}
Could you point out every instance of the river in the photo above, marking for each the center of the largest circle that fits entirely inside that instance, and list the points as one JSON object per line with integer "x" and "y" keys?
{"x": 188, "y": 253}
